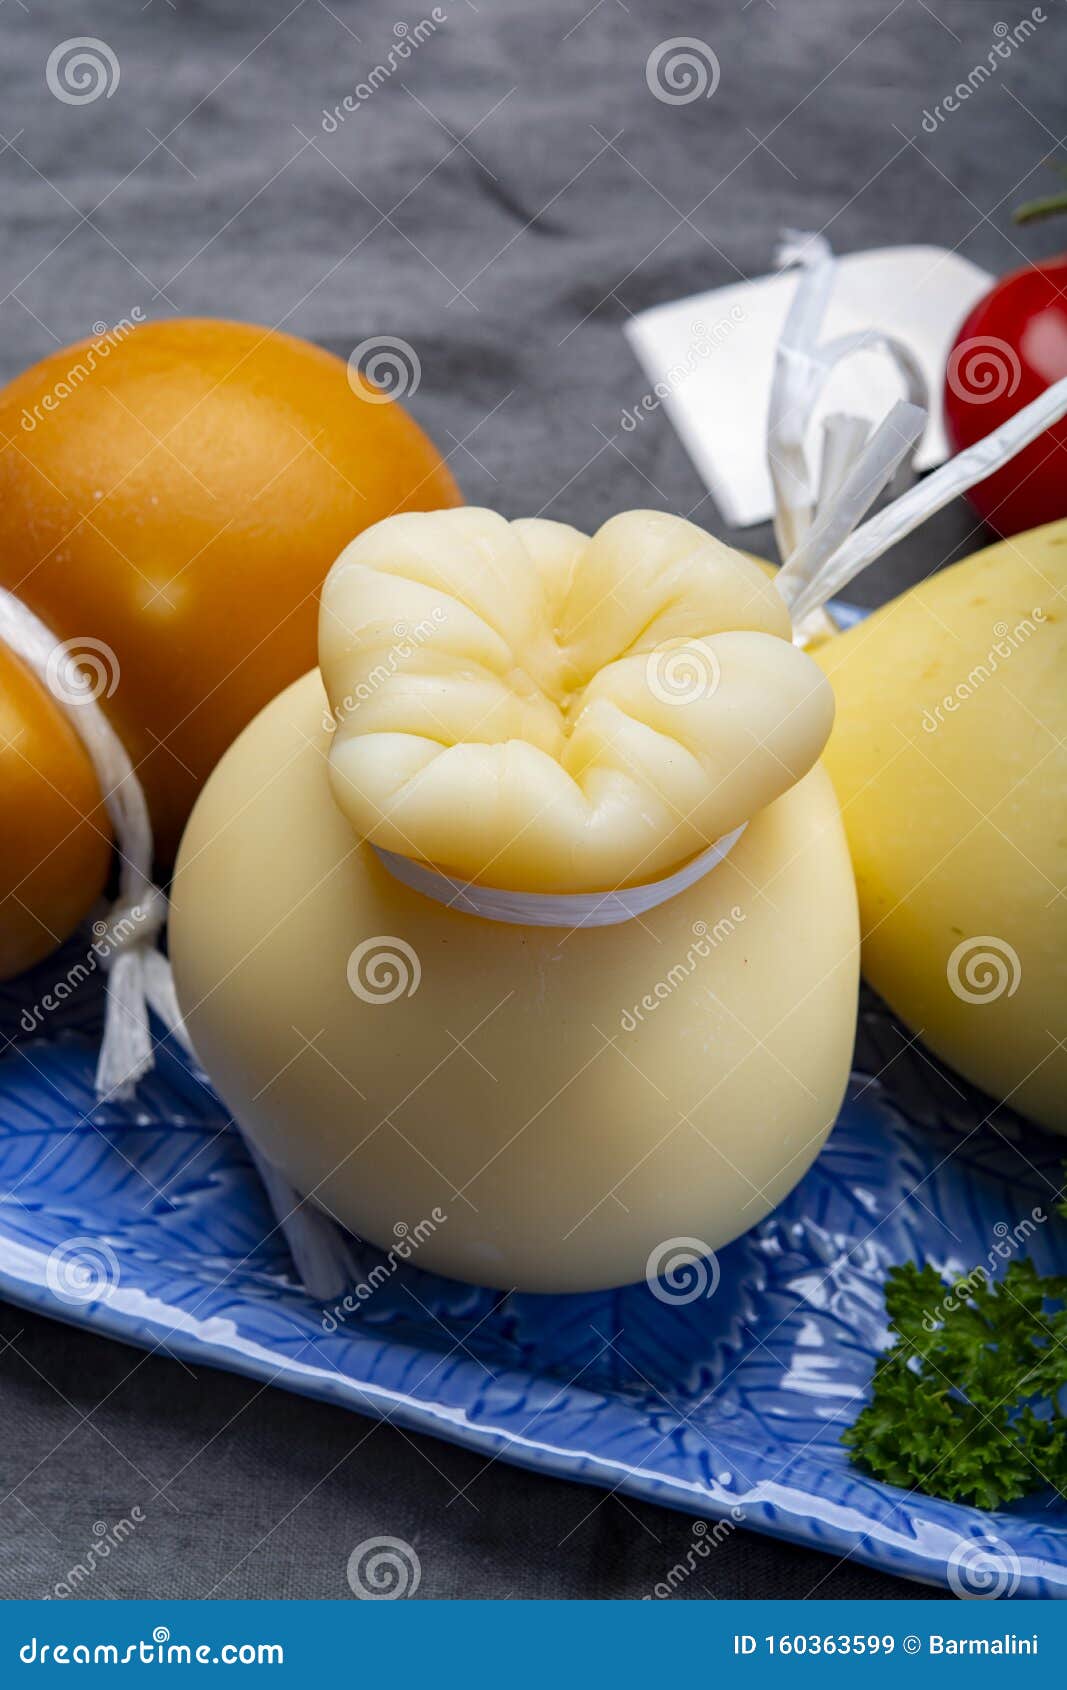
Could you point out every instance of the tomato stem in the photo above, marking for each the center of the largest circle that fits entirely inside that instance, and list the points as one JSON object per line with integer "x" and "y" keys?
{"x": 1051, "y": 205}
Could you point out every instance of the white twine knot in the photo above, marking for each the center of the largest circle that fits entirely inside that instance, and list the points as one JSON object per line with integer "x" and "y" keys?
{"x": 131, "y": 924}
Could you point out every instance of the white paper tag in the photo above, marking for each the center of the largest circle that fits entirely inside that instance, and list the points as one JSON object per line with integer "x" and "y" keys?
{"x": 709, "y": 361}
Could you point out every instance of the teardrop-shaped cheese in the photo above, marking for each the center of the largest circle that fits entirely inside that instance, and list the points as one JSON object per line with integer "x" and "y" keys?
{"x": 526, "y": 1107}
{"x": 526, "y": 707}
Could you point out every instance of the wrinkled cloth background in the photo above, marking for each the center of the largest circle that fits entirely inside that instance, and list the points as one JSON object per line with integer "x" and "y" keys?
{"x": 501, "y": 203}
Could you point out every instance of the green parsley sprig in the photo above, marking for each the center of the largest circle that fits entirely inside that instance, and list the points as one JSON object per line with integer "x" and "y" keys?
{"x": 966, "y": 1405}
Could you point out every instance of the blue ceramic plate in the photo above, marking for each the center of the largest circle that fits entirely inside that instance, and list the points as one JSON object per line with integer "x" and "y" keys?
{"x": 145, "y": 1222}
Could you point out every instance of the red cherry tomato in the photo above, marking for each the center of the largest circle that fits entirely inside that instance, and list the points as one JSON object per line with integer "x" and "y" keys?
{"x": 1010, "y": 349}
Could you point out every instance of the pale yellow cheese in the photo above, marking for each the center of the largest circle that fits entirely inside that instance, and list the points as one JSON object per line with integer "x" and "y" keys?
{"x": 529, "y": 708}
{"x": 949, "y": 756}
{"x": 567, "y": 1101}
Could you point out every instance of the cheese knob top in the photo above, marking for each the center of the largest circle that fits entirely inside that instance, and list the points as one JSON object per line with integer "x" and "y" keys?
{"x": 523, "y": 706}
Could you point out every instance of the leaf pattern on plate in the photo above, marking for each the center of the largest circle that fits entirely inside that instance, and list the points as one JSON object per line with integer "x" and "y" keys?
{"x": 733, "y": 1399}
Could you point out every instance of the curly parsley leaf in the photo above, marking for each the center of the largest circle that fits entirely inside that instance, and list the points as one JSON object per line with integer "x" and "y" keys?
{"x": 968, "y": 1403}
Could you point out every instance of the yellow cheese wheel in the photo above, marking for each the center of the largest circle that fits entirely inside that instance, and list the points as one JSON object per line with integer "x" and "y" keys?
{"x": 537, "y": 1108}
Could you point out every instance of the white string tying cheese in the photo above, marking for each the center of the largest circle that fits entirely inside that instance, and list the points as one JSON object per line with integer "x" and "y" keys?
{"x": 802, "y": 367}
{"x": 826, "y": 548}
{"x": 138, "y": 976}
{"x": 556, "y": 909}
{"x": 805, "y": 590}
{"x": 140, "y": 911}
{"x": 819, "y": 540}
